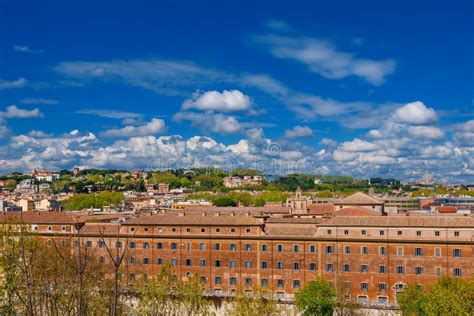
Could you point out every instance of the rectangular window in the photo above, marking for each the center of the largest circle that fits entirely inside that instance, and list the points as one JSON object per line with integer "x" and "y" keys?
{"x": 347, "y": 267}
{"x": 382, "y": 287}
{"x": 437, "y": 233}
{"x": 263, "y": 248}
{"x": 382, "y": 232}
{"x": 364, "y": 250}
{"x": 364, "y": 268}
{"x": 399, "y": 251}
{"x": 217, "y": 263}
{"x": 264, "y": 282}
{"x": 419, "y": 270}
{"x": 382, "y": 250}
{"x": 456, "y": 252}
{"x": 457, "y": 272}
{"x": 364, "y": 286}
{"x": 418, "y": 233}
{"x": 329, "y": 232}
{"x": 173, "y": 246}
{"x": 202, "y": 246}
{"x": 233, "y": 247}
{"x": 437, "y": 271}
{"x": 296, "y": 248}
{"x": 202, "y": 263}
{"x": 232, "y": 281}
{"x": 264, "y": 265}
{"x": 279, "y": 248}
{"x": 399, "y": 233}
{"x": 248, "y": 264}
{"x": 328, "y": 249}
{"x": 280, "y": 265}
{"x": 382, "y": 269}
{"x": 188, "y": 262}
{"x": 296, "y": 284}
{"x": 364, "y": 232}
{"x": 312, "y": 248}
{"x": 232, "y": 264}
{"x": 418, "y": 252}
{"x": 400, "y": 270}
{"x": 159, "y": 245}
{"x": 217, "y": 280}
{"x": 248, "y": 247}
{"x": 329, "y": 267}
{"x": 437, "y": 252}
{"x": 312, "y": 266}
{"x": 347, "y": 250}
{"x": 456, "y": 234}
{"x": 296, "y": 266}
{"x": 217, "y": 246}
{"x": 346, "y": 232}
{"x": 248, "y": 282}
{"x": 280, "y": 283}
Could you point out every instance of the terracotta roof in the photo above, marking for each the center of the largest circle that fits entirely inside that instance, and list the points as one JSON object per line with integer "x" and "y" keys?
{"x": 291, "y": 231}
{"x": 97, "y": 229}
{"x": 195, "y": 219}
{"x": 42, "y": 217}
{"x": 321, "y": 208}
{"x": 354, "y": 211}
{"x": 401, "y": 221}
{"x": 359, "y": 198}
{"x": 447, "y": 209}
{"x": 292, "y": 220}
{"x": 269, "y": 209}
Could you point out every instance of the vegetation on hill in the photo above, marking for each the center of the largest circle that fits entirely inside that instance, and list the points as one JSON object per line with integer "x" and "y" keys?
{"x": 98, "y": 200}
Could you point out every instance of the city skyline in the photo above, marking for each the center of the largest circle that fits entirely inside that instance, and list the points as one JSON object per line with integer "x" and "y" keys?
{"x": 367, "y": 89}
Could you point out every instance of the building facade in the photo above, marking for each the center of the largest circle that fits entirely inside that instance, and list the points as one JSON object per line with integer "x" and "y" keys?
{"x": 369, "y": 259}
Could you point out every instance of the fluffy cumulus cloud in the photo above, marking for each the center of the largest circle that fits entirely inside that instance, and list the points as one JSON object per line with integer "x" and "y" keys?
{"x": 210, "y": 121}
{"x": 27, "y": 49}
{"x": 415, "y": 113}
{"x": 225, "y": 101}
{"x": 325, "y": 59}
{"x": 155, "y": 126}
{"x": 13, "y": 111}
{"x": 405, "y": 149}
{"x": 299, "y": 132}
{"x": 19, "y": 83}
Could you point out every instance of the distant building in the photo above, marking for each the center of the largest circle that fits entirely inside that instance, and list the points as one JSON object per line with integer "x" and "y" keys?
{"x": 297, "y": 204}
{"x": 255, "y": 180}
{"x": 361, "y": 200}
{"x": 427, "y": 179}
{"x": 44, "y": 175}
{"x": 232, "y": 182}
{"x": 163, "y": 188}
{"x": 26, "y": 205}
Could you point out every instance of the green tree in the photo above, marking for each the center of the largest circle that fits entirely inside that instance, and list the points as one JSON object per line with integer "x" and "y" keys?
{"x": 318, "y": 297}
{"x": 451, "y": 296}
{"x": 412, "y": 300}
{"x": 258, "y": 302}
{"x": 224, "y": 201}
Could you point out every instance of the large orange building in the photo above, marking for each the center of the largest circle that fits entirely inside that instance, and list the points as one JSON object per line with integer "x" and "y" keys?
{"x": 368, "y": 258}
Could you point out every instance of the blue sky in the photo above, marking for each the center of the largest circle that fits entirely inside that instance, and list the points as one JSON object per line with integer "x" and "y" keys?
{"x": 331, "y": 87}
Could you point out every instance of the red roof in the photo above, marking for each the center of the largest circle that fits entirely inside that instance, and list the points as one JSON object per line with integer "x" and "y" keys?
{"x": 354, "y": 211}
{"x": 447, "y": 209}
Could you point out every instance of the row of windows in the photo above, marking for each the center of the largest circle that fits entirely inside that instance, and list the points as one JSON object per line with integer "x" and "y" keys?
{"x": 202, "y": 246}
{"x": 189, "y": 230}
{"x": 382, "y": 232}
{"x": 418, "y": 252}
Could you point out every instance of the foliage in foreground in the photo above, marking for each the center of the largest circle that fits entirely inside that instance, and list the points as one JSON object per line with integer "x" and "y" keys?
{"x": 316, "y": 298}
{"x": 448, "y": 296}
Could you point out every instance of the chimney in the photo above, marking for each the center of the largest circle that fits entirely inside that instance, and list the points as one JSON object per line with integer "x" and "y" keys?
{"x": 181, "y": 214}
{"x": 217, "y": 214}
{"x": 203, "y": 213}
{"x": 232, "y": 214}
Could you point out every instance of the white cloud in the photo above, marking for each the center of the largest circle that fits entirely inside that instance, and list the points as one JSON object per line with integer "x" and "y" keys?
{"x": 225, "y": 101}
{"x": 27, "y": 49}
{"x": 415, "y": 113}
{"x": 323, "y": 58}
{"x": 108, "y": 113}
{"x": 38, "y": 134}
{"x": 13, "y": 111}
{"x": 358, "y": 145}
{"x": 429, "y": 132}
{"x": 39, "y": 101}
{"x": 209, "y": 121}
{"x": 155, "y": 126}
{"x": 19, "y": 83}
{"x": 299, "y": 132}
